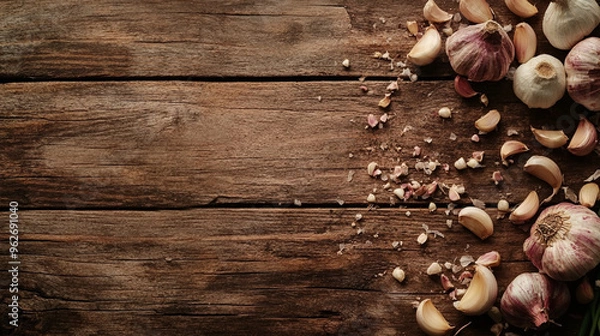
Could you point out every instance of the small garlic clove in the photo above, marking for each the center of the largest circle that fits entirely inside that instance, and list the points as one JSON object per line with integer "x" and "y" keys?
{"x": 549, "y": 138}
{"x": 477, "y": 221}
{"x": 526, "y": 210}
{"x": 427, "y": 48}
{"x": 413, "y": 27}
{"x": 463, "y": 87}
{"x": 434, "y": 14}
{"x": 521, "y": 8}
{"x": 585, "y": 138}
{"x": 546, "y": 170}
{"x": 588, "y": 194}
{"x": 511, "y": 147}
{"x": 503, "y": 205}
{"x": 445, "y": 112}
{"x": 430, "y": 320}
{"x": 525, "y": 41}
{"x": 476, "y": 11}
{"x": 488, "y": 122}
{"x": 490, "y": 259}
{"x": 481, "y": 294}
{"x": 434, "y": 269}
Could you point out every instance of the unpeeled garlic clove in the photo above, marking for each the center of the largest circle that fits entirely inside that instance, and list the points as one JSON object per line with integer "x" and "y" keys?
{"x": 488, "y": 122}
{"x": 463, "y": 87}
{"x": 525, "y": 41}
{"x": 526, "y": 210}
{"x": 477, "y": 221}
{"x": 585, "y": 138}
{"x": 481, "y": 294}
{"x": 434, "y": 14}
{"x": 476, "y": 11}
{"x": 521, "y": 8}
{"x": 427, "y": 48}
{"x": 549, "y": 138}
{"x": 546, "y": 170}
{"x": 588, "y": 194}
{"x": 511, "y": 147}
{"x": 430, "y": 320}
{"x": 490, "y": 259}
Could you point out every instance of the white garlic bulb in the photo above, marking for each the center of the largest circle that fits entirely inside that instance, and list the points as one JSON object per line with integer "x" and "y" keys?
{"x": 540, "y": 82}
{"x": 566, "y": 22}
{"x": 582, "y": 66}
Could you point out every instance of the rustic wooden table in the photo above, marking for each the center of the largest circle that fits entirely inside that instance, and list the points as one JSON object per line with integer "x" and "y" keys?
{"x": 195, "y": 167}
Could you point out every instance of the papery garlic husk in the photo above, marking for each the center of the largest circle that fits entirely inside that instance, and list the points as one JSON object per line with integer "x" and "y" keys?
{"x": 481, "y": 52}
{"x": 430, "y": 320}
{"x": 476, "y": 11}
{"x": 525, "y": 42}
{"x": 490, "y": 259}
{"x": 488, "y": 122}
{"x": 526, "y": 210}
{"x": 481, "y": 294}
{"x": 511, "y": 147}
{"x": 582, "y": 66}
{"x": 546, "y": 170}
{"x": 532, "y": 300}
{"x": 463, "y": 87}
{"x": 564, "y": 241}
{"x": 477, "y": 221}
{"x": 585, "y": 138}
{"x": 588, "y": 194}
{"x": 566, "y": 22}
{"x": 427, "y": 48}
{"x": 540, "y": 82}
{"x": 433, "y": 13}
{"x": 521, "y": 8}
{"x": 549, "y": 138}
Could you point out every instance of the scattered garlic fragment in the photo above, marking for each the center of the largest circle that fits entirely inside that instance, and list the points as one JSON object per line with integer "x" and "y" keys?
{"x": 547, "y": 170}
{"x": 460, "y": 164}
{"x": 372, "y": 120}
{"x": 473, "y": 163}
{"x": 488, "y": 122}
{"x": 588, "y": 194}
{"x": 481, "y": 294}
{"x": 422, "y": 238}
{"x": 346, "y": 63}
{"x": 434, "y": 269}
{"x": 371, "y": 198}
{"x": 430, "y": 320}
{"x": 445, "y": 112}
{"x": 477, "y": 221}
{"x": 385, "y": 101}
{"x": 526, "y": 210}
{"x": 432, "y": 207}
{"x": 490, "y": 259}
{"x": 399, "y": 274}
{"x": 497, "y": 177}
{"x": 427, "y": 48}
{"x": 503, "y": 205}
{"x": 373, "y": 169}
{"x": 413, "y": 27}
{"x": 446, "y": 283}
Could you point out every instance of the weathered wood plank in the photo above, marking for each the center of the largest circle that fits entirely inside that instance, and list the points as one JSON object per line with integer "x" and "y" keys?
{"x": 242, "y": 271}
{"x": 184, "y": 144}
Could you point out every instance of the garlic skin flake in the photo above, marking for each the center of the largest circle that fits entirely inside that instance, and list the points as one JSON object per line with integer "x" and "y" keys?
{"x": 566, "y": 22}
{"x": 582, "y": 66}
{"x": 585, "y": 138}
{"x": 481, "y": 294}
{"x": 427, "y": 48}
{"x": 430, "y": 320}
{"x": 540, "y": 82}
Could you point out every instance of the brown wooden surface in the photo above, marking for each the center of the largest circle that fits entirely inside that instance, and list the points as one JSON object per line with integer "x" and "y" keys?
{"x": 156, "y": 150}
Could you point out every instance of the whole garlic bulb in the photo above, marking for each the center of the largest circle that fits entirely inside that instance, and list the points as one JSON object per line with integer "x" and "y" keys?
{"x": 481, "y": 52}
{"x": 566, "y": 22}
{"x": 582, "y": 66}
{"x": 564, "y": 241}
{"x": 540, "y": 82}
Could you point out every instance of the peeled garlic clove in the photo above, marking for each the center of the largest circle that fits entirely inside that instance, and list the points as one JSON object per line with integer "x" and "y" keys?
{"x": 488, "y": 122}
{"x": 548, "y": 138}
{"x": 477, "y": 221}
{"x": 566, "y": 22}
{"x": 511, "y": 147}
{"x": 433, "y": 13}
{"x": 582, "y": 66}
{"x": 476, "y": 11}
{"x": 427, "y": 48}
{"x": 521, "y": 8}
{"x": 481, "y": 294}
{"x": 526, "y": 210}
{"x": 430, "y": 320}
{"x": 463, "y": 87}
{"x": 546, "y": 170}
{"x": 588, "y": 194}
{"x": 585, "y": 138}
{"x": 525, "y": 41}
{"x": 540, "y": 82}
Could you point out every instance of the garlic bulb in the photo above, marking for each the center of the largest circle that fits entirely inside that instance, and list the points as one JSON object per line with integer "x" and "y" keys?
{"x": 533, "y": 299}
{"x": 582, "y": 66}
{"x": 566, "y": 22}
{"x": 564, "y": 242}
{"x": 540, "y": 82}
{"x": 481, "y": 52}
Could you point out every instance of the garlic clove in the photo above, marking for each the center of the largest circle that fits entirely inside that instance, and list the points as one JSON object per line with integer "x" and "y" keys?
{"x": 463, "y": 87}
{"x": 477, "y": 221}
{"x": 540, "y": 82}
{"x": 490, "y": 259}
{"x": 585, "y": 138}
{"x": 588, "y": 194}
{"x": 476, "y": 11}
{"x": 511, "y": 147}
{"x": 549, "y": 138}
{"x": 566, "y": 22}
{"x": 488, "y": 122}
{"x": 526, "y": 210}
{"x": 521, "y": 8}
{"x": 481, "y": 294}
{"x": 434, "y": 14}
{"x": 427, "y": 48}
{"x": 525, "y": 41}
{"x": 546, "y": 170}
{"x": 430, "y": 320}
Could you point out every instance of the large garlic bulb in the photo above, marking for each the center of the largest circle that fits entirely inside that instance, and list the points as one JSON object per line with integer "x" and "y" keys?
{"x": 582, "y": 66}
{"x": 566, "y": 22}
{"x": 540, "y": 82}
{"x": 481, "y": 52}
